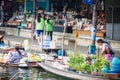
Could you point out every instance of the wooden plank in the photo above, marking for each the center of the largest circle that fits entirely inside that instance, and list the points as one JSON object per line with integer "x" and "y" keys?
{"x": 88, "y": 33}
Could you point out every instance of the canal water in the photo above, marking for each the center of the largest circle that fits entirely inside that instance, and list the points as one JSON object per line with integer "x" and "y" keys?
{"x": 13, "y": 73}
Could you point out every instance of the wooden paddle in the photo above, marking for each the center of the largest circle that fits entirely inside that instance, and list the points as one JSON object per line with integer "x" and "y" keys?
{"x": 12, "y": 78}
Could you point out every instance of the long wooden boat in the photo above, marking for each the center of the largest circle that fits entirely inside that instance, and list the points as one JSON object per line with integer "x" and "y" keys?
{"x": 21, "y": 65}
{"x": 68, "y": 74}
{"x": 6, "y": 50}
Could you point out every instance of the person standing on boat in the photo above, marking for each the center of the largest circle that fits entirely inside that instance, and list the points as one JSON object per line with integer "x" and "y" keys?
{"x": 49, "y": 23}
{"x": 39, "y": 27}
{"x": 106, "y": 49}
{"x": 16, "y": 56}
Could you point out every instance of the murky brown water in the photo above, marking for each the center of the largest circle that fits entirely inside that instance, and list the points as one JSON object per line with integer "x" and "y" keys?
{"x": 27, "y": 74}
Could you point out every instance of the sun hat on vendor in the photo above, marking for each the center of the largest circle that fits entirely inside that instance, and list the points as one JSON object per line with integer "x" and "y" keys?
{"x": 1, "y": 36}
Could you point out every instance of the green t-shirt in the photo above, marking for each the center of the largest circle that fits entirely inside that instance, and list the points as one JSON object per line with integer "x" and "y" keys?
{"x": 49, "y": 25}
{"x": 40, "y": 25}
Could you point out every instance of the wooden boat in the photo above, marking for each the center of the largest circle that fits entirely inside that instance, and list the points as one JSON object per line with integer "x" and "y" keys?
{"x": 20, "y": 65}
{"x": 72, "y": 75}
{"x": 6, "y": 50}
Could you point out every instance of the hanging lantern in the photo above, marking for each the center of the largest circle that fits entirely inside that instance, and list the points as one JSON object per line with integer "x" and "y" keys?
{"x": 90, "y": 2}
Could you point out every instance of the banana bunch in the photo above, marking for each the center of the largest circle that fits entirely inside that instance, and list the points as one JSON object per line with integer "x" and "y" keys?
{"x": 34, "y": 57}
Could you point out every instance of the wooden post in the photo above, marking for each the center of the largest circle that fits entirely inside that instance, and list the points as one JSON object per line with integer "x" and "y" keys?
{"x": 34, "y": 12}
{"x": 94, "y": 18}
{"x": 76, "y": 37}
{"x": 24, "y": 10}
{"x": 92, "y": 47}
{"x": 112, "y": 28}
{"x": 25, "y": 6}
{"x": 65, "y": 26}
{"x": 1, "y": 15}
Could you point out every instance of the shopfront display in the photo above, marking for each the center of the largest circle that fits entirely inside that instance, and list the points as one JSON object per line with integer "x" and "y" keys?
{"x": 78, "y": 13}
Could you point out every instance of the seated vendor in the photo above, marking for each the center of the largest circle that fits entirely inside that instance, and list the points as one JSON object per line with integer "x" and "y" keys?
{"x": 106, "y": 49}
{"x": 16, "y": 56}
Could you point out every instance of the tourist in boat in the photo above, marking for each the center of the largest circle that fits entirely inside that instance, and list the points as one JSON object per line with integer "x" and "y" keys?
{"x": 49, "y": 23}
{"x": 39, "y": 27}
{"x": 16, "y": 56}
{"x": 106, "y": 49}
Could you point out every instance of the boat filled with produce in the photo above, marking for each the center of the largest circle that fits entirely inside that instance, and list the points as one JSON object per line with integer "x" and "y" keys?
{"x": 95, "y": 67}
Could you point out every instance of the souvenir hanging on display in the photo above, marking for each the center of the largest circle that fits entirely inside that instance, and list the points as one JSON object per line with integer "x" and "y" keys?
{"x": 90, "y": 2}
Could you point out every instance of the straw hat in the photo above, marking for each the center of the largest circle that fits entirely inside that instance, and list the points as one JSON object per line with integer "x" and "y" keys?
{"x": 1, "y": 36}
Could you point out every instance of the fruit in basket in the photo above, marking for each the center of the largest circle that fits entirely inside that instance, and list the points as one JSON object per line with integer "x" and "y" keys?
{"x": 34, "y": 57}
{"x": 38, "y": 58}
{"x": 2, "y": 58}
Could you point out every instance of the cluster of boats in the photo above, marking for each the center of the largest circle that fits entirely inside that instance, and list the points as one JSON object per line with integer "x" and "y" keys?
{"x": 50, "y": 64}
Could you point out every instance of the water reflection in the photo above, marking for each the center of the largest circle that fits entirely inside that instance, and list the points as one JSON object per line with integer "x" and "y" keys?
{"x": 27, "y": 74}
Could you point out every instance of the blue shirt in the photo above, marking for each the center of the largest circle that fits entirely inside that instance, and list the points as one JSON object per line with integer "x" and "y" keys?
{"x": 15, "y": 58}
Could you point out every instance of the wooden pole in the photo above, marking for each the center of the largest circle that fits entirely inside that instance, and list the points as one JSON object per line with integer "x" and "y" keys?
{"x": 2, "y": 12}
{"x": 76, "y": 37}
{"x": 94, "y": 18}
{"x": 112, "y": 28}
{"x": 34, "y": 12}
{"x": 65, "y": 26}
{"x": 92, "y": 47}
{"x": 25, "y": 6}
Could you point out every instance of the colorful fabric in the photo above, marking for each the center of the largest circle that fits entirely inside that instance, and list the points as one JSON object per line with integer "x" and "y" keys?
{"x": 108, "y": 56}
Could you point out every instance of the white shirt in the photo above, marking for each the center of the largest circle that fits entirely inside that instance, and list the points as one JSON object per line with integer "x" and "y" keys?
{"x": 106, "y": 45}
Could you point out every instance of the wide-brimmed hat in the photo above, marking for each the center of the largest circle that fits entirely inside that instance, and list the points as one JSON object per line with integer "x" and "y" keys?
{"x": 1, "y": 36}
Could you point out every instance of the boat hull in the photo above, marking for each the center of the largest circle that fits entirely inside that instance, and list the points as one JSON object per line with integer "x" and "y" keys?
{"x": 71, "y": 75}
{"x": 21, "y": 65}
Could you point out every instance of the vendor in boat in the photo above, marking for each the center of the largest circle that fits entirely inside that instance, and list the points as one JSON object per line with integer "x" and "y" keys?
{"x": 16, "y": 56}
{"x": 106, "y": 49}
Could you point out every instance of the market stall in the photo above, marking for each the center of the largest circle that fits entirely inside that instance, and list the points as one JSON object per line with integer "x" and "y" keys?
{"x": 80, "y": 20}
